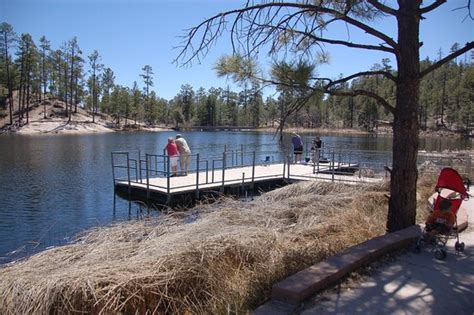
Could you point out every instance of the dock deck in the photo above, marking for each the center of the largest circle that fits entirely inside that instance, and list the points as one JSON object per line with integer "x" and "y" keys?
{"x": 146, "y": 176}
{"x": 157, "y": 185}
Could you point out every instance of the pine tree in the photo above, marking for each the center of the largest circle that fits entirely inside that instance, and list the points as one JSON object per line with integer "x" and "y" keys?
{"x": 27, "y": 58}
{"x": 147, "y": 76}
{"x": 8, "y": 39}
{"x": 305, "y": 28}
{"x": 95, "y": 68}
{"x": 45, "y": 50}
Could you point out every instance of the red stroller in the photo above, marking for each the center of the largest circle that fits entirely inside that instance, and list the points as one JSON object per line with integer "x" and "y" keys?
{"x": 442, "y": 223}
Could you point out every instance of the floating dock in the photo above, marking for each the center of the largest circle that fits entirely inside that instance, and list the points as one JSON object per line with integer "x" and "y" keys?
{"x": 230, "y": 173}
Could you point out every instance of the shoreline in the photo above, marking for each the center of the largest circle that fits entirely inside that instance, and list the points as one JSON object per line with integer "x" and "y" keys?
{"x": 86, "y": 126}
{"x": 61, "y": 127}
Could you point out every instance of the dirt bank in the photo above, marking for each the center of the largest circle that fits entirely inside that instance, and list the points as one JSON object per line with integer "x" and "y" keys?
{"x": 56, "y": 122}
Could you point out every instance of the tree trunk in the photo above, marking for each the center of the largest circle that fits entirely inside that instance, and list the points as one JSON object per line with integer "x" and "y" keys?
{"x": 20, "y": 90}
{"x": 65, "y": 87}
{"x": 71, "y": 79}
{"x": 28, "y": 84}
{"x": 402, "y": 205}
{"x": 93, "y": 96}
{"x": 43, "y": 79}
{"x": 9, "y": 80}
{"x": 352, "y": 112}
{"x": 443, "y": 97}
{"x": 76, "y": 97}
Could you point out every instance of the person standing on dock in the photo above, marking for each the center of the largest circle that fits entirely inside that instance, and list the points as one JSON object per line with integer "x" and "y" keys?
{"x": 297, "y": 146}
{"x": 172, "y": 151}
{"x": 185, "y": 154}
{"x": 316, "y": 149}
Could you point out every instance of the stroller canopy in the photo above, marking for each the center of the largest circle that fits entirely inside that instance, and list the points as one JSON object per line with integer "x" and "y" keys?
{"x": 450, "y": 179}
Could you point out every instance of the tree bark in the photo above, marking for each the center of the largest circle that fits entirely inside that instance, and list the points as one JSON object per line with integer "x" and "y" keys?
{"x": 76, "y": 98}
{"x": 28, "y": 84}
{"x": 21, "y": 90}
{"x": 9, "y": 81}
{"x": 71, "y": 79}
{"x": 93, "y": 94}
{"x": 402, "y": 205}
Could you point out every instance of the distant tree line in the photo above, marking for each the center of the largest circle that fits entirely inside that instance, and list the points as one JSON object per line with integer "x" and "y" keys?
{"x": 446, "y": 98}
{"x": 34, "y": 72}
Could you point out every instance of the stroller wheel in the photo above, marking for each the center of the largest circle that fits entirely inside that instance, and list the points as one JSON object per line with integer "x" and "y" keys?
{"x": 459, "y": 246}
{"x": 440, "y": 254}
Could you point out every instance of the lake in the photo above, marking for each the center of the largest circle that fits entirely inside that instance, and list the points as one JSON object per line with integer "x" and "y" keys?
{"x": 53, "y": 187}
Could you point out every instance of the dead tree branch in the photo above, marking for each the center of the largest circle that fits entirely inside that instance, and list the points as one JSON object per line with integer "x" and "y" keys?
{"x": 446, "y": 59}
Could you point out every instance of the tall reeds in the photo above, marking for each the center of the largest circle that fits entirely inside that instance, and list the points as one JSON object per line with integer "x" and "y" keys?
{"x": 216, "y": 258}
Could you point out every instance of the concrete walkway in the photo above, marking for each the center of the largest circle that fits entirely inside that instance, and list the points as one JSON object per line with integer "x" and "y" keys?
{"x": 412, "y": 284}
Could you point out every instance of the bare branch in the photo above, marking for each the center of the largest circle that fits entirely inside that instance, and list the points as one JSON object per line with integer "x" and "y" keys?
{"x": 207, "y": 32}
{"x": 338, "y": 42}
{"x": 382, "y": 7}
{"x": 370, "y": 31}
{"x": 370, "y": 94}
{"x": 328, "y": 89}
{"x": 468, "y": 7}
{"x": 386, "y": 74}
{"x": 432, "y": 6}
{"x": 446, "y": 59}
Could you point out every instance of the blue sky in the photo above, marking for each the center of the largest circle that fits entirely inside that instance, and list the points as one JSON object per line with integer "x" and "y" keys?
{"x": 131, "y": 34}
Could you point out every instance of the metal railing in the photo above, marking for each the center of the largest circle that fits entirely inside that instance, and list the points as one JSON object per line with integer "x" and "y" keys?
{"x": 334, "y": 164}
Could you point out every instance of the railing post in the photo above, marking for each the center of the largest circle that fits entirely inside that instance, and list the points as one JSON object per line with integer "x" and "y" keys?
{"x": 350, "y": 157}
{"x": 284, "y": 166}
{"x": 213, "y": 167}
{"x": 253, "y": 167}
{"x": 168, "y": 178}
{"x": 242, "y": 155}
{"x": 333, "y": 166}
{"x": 223, "y": 170}
{"x": 360, "y": 168}
{"x": 339, "y": 159}
{"x": 147, "y": 177}
{"x": 207, "y": 172}
{"x": 197, "y": 176}
{"x": 321, "y": 153}
{"x": 113, "y": 167}
{"x": 140, "y": 164}
{"x": 289, "y": 162}
{"x": 232, "y": 154}
{"x": 128, "y": 173}
{"x": 315, "y": 159}
{"x": 136, "y": 171}
{"x": 164, "y": 161}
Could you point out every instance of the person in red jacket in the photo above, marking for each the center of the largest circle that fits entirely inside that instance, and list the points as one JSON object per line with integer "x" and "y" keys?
{"x": 172, "y": 151}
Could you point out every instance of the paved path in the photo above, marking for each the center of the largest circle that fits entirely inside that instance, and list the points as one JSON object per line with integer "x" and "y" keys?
{"x": 412, "y": 284}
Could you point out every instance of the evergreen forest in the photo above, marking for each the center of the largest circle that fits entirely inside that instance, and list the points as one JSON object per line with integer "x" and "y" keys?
{"x": 33, "y": 73}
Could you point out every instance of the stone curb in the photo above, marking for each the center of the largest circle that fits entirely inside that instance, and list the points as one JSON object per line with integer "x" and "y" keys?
{"x": 290, "y": 292}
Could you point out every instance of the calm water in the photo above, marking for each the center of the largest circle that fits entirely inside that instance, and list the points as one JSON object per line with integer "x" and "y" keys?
{"x": 53, "y": 187}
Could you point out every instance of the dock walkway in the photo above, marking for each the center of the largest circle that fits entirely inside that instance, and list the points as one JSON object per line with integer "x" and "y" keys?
{"x": 242, "y": 176}
{"x": 149, "y": 177}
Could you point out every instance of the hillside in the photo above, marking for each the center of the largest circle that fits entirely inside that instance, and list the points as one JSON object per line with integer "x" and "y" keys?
{"x": 56, "y": 121}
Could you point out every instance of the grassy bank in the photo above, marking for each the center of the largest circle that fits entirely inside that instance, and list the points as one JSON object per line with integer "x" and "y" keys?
{"x": 212, "y": 259}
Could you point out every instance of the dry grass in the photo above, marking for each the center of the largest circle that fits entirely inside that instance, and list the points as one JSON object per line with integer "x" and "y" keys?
{"x": 225, "y": 259}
